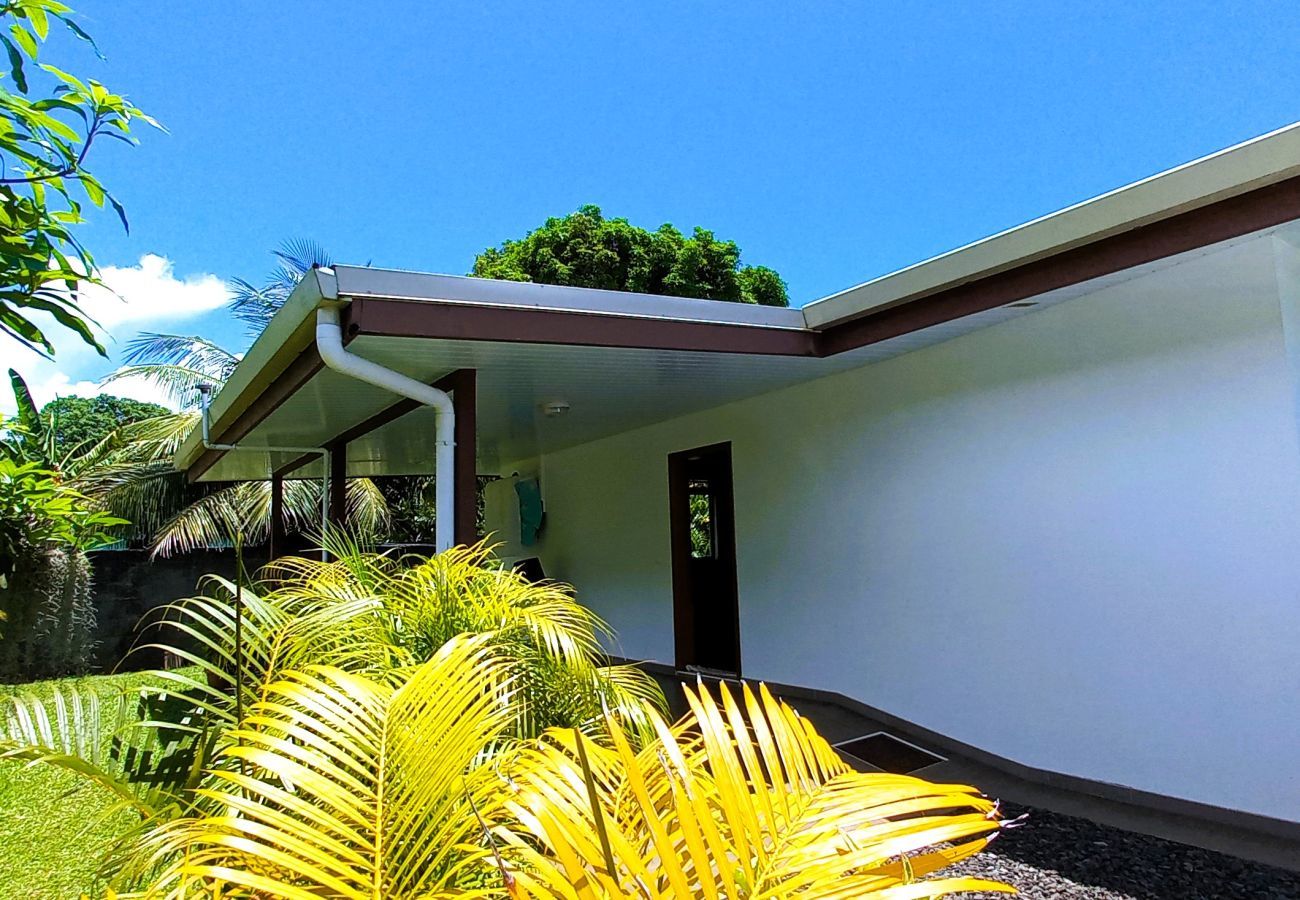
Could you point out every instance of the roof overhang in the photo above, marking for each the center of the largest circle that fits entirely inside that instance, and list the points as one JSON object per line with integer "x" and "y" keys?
{"x": 622, "y": 360}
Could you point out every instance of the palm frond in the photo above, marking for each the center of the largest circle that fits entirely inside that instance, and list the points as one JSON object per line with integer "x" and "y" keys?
{"x": 738, "y": 800}
{"x": 367, "y": 509}
{"x": 257, "y": 305}
{"x": 187, "y": 351}
{"x": 145, "y": 768}
{"x": 245, "y": 509}
{"x": 213, "y": 520}
{"x": 297, "y": 257}
{"x": 277, "y": 633}
{"x": 145, "y": 494}
{"x": 179, "y": 383}
{"x": 338, "y": 785}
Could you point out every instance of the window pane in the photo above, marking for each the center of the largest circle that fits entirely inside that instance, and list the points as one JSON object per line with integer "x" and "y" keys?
{"x": 701, "y": 505}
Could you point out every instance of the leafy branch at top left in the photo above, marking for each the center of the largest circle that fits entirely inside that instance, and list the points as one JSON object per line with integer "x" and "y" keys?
{"x": 45, "y": 139}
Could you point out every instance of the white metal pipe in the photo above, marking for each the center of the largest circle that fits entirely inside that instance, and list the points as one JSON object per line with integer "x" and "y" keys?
{"x": 205, "y": 415}
{"x": 327, "y": 467}
{"x": 329, "y": 341}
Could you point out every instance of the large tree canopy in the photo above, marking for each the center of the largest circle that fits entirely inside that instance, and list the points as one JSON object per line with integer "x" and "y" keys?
{"x": 585, "y": 249}
{"x": 85, "y": 421}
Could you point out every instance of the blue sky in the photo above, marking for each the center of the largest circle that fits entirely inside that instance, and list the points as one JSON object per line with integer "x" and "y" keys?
{"x": 833, "y": 142}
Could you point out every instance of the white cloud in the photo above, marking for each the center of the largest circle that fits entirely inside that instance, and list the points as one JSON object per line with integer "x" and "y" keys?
{"x": 149, "y": 298}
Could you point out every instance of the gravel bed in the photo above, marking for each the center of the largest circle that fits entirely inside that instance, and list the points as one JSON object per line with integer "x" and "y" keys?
{"x": 1051, "y": 857}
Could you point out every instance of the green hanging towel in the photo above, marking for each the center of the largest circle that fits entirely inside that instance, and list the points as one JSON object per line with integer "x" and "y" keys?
{"x": 531, "y": 513}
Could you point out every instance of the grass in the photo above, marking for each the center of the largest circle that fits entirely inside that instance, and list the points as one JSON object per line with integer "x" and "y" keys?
{"x": 52, "y": 824}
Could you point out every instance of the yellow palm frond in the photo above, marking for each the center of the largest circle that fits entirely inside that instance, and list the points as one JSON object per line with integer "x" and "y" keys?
{"x": 555, "y": 642}
{"x": 741, "y": 799}
{"x": 338, "y": 785}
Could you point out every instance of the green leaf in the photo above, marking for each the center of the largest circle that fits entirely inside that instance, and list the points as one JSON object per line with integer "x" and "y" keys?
{"x": 80, "y": 33}
{"x": 25, "y": 40}
{"x": 71, "y": 81}
{"x": 57, "y": 103}
{"x": 93, "y": 190}
{"x": 70, "y": 321}
{"x": 24, "y": 331}
{"x": 28, "y": 416}
{"x": 40, "y": 22}
{"x": 120, "y": 210}
{"x": 16, "y": 64}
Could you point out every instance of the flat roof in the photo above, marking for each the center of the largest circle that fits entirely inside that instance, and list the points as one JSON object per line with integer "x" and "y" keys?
{"x": 359, "y": 282}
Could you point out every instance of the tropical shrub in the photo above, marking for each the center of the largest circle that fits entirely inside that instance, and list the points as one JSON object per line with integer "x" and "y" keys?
{"x": 344, "y": 786}
{"x": 365, "y": 614}
{"x": 45, "y": 584}
{"x": 378, "y": 727}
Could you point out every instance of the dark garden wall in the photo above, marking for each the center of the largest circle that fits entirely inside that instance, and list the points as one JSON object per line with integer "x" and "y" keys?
{"x": 127, "y": 586}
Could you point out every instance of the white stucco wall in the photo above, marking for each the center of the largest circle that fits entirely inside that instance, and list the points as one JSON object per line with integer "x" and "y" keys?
{"x": 1072, "y": 539}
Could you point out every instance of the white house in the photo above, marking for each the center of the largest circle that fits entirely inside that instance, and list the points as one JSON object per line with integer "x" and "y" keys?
{"x": 1040, "y": 494}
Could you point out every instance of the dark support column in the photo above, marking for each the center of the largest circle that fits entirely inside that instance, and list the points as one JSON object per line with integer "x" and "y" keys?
{"x": 278, "y": 547}
{"x": 338, "y": 482}
{"x": 464, "y": 397}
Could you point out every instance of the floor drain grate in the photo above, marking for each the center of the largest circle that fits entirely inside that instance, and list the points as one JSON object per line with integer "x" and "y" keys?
{"x": 884, "y": 751}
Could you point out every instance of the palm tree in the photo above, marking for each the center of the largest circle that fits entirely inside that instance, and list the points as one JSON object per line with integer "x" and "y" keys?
{"x": 133, "y": 476}
{"x": 440, "y": 727}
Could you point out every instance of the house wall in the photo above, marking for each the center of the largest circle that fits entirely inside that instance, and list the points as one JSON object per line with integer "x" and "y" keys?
{"x": 1070, "y": 539}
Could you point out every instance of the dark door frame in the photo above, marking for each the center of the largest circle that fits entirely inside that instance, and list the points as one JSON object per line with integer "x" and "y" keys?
{"x": 684, "y": 630}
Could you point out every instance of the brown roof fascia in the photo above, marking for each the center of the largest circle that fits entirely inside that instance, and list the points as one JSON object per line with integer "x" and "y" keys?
{"x": 421, "y": 319}
{"x": 1220, "y": 221}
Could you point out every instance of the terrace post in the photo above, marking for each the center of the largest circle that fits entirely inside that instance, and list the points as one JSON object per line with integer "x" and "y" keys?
{"x": 338, "y": 484}
{"x": 464, "y": 397}
{"x": 277, "y": 547}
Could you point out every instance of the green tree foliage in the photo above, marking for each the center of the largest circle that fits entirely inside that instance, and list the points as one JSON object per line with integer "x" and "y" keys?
{"x": 585, "y": 249}
{"x": 85, "y": 421}
{"x": 49, "y": 120}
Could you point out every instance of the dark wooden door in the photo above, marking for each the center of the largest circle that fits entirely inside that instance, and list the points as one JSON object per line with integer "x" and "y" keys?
{"x": 706, "y": 611}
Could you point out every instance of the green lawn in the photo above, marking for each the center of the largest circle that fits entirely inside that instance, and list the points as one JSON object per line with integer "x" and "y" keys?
{"x": 52, "y": 826}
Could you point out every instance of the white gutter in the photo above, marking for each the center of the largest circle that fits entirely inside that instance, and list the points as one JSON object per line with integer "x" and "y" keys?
{"x": 329, "y": 341}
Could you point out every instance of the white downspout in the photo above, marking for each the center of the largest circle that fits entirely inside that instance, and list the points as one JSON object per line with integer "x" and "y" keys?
{"x": 329, "y": 341}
